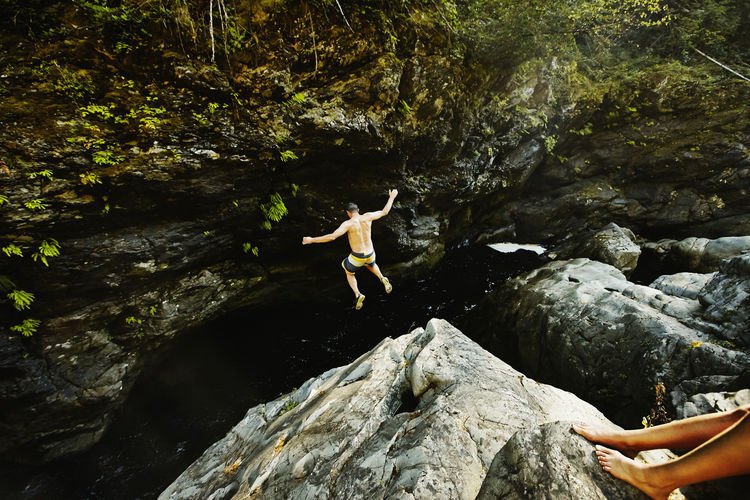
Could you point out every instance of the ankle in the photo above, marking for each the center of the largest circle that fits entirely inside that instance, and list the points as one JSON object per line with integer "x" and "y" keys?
{"x": 656, "y": 477}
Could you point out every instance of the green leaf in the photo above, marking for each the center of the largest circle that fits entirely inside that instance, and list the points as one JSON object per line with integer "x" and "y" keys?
{"x": 288, "y": 155}
{"x": 46, "y": 173}
{"x": 48, "y": 248}
{"x": 27, "y": 328}
{"x": 35, "y": 204}
{"x": 21, "y": 299}
{"x": 12, "y": 249}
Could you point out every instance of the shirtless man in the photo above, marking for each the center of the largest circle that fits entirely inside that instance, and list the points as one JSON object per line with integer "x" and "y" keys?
{"x": 359, "y": 230}
{"x": 719, "y": 444}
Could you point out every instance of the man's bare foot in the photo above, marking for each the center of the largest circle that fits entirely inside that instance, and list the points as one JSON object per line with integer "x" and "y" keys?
{"x": 630, "y": 471}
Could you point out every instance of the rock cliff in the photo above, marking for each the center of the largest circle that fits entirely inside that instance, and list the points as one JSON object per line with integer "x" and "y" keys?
{"x": 420, "y": 416}
{"x": 583, "y": 325}
{"x": 146, "y": 190}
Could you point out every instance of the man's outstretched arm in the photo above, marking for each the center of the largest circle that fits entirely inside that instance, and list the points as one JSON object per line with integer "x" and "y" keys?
{"x": 386, "y": 209}
{"x": 343, "y": 228}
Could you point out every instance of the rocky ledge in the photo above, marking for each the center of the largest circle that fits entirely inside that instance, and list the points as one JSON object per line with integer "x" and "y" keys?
{"x": 420, "y": 416}
{"x": 582, "y": 324}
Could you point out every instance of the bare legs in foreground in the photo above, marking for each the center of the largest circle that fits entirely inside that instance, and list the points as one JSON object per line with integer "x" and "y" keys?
{"x": 720, "y": 444}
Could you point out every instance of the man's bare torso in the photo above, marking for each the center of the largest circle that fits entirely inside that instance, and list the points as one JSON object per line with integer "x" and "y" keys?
{"x": 359, "y": 234}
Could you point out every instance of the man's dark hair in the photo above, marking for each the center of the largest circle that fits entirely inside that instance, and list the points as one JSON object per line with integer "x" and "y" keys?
{"x": 352, "y": 207}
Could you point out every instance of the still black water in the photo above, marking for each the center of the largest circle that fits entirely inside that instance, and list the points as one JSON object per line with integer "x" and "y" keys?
{"x": 208, "y": 379}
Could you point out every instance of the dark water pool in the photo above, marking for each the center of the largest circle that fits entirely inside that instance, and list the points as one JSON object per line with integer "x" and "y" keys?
{"x": 209, "y": 378}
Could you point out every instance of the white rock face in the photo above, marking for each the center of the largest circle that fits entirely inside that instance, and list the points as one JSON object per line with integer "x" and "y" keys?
{"x": 419, "y": 416}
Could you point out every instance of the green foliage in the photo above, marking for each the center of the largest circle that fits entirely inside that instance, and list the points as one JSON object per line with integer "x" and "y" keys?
{"x": 90, "y": 178}
{"x": 404, "y": 108}
{"x": 45, "y": 174}
{"x": 549, "y": 144}
{"x": 107, "y": 157}
{"x": 48, "y": 248}
{"x": 105, "y": 208}
{"x": 273, "y": 211}
{"x": 712, "y": 25}
{"x": 27, "y": 327}
{"x": 213, "y": 107}
{"x": 136, "y": 324}
{"x": 146, "y": 116}
{"x": 21, "y": 299}
{"x": 587, "y": 129}
{"x": 3, "y": 200}
{"x": 12, "y": 249}
{"x": 248, "y": 247}
{"x": 289, "y": 405}
{"x": 35, "y": 204}
{"x": 98, "y": 110}
{"x": 132, "y": 320}
{"x": 152, "y": 309}
{"x": 123, "y": 23}
{"x": 542, "y": 28}
{"x": 295, "y": 100}
{"x": 288, "y": 155}
{"x": 201, "y": 119}
{"x": 86, "y": 142}
{"x": 67, "y": 82}
{"x": 295, "y": 190}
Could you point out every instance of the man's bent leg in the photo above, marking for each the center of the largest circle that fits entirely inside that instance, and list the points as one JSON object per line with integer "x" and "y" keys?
{"x": 374, "y": 269}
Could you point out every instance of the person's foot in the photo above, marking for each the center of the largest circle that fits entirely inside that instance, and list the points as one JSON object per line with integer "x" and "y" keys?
{"x": 630, "y": 471}
{"x": 359, "y": 302}
{"x": 606, "y": 436}
{"x": 387, "y": 285}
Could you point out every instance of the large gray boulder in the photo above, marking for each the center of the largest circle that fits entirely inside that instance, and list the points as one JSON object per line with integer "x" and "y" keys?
{"x": 581, "y": 324}
{"x": 419, "y": 416}
{"x": 727, "y": 300}
{"x": 613, "y": 245}
{"x": 701, "y": 404}
{"x": 686, "y": 285}
{"x": 700, "y": 254}
{"x": 550, "y": 462}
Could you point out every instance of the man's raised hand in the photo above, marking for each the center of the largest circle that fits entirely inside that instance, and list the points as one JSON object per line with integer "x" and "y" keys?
{"x": 306, "y": 240}
{"x": 393, "y": 193}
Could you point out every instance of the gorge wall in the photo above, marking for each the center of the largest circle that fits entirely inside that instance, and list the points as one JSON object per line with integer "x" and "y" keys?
{"x": 176, "y": 190}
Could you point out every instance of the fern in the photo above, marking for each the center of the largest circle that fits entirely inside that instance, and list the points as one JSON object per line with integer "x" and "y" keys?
{"x": 35, "y": 204}
{"x": 288, "y": 155}
{"x": 46, "y": 173}
{"x": 12, "y": 249}
{"x": 274, "y": 210}
{"x": 48, "y": 248}
{"x": 27, "y": 328}
{"x": 21, "y": 299}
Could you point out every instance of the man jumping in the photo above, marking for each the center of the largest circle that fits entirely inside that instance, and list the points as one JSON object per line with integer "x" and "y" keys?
{"x": 359, "y": 230}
